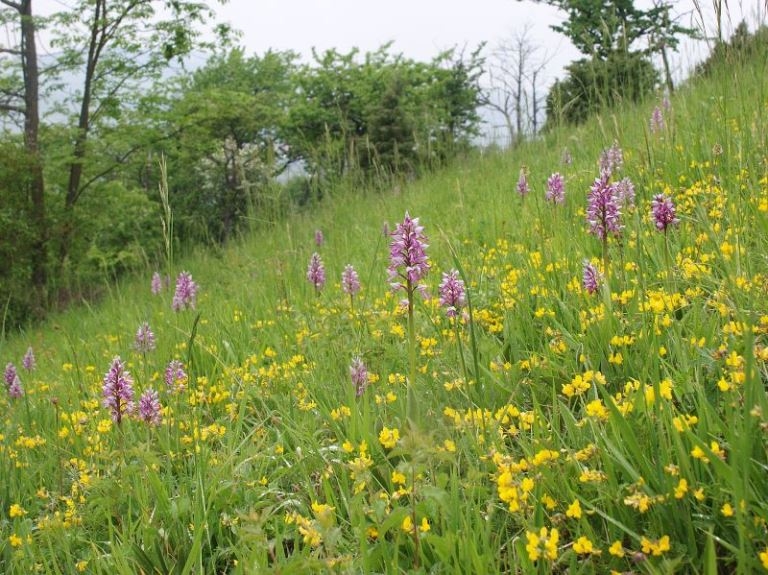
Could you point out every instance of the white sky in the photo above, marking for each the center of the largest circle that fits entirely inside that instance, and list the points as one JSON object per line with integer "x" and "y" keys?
{"x": 419, "y": 28}
{"x": 422, "y": 28}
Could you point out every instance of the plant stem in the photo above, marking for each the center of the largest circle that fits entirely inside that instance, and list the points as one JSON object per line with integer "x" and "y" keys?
{"x": 410, "y": 408}
{"x": 461, "y": 350}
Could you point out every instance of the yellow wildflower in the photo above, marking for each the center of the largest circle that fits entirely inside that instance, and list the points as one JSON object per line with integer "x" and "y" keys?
{"x": 389, "y": 437}
{"x": 655, "y": 548}
{"x": 527, "y": 485}
{"x": 639, "y": 501}
{"x": 698, "y": 453}
{"x": 544, "y": 542}
{"x": 574, "y": 510}
{"x": 583, "y": 546}
{"x": 592, "y": 476}
{"x": 323, "y": 514}
{"x": 425, "y": 526}
{"x": 310, "y": 535}
{"x": 548, "y": 501}
{"x": 16, "y": 510}
{"x": 597, "y": 409}
{"x": 616, "y": 549}
{"x": 544, "y": 456}
{"x": 340, "y": 413}
{"x": 764, "y": 558}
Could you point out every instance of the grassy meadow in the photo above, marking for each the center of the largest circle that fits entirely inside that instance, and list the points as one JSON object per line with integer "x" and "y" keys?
{"x": 546, "y": 428}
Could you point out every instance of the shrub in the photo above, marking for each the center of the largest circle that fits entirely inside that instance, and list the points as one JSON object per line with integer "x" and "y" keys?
{"x": 597, "y": 84}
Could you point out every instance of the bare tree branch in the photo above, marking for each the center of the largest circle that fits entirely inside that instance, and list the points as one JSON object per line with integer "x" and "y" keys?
{"x": 14, "y": 5}
{"x": 5, "y": 107}
{"x": 514, "y": 70}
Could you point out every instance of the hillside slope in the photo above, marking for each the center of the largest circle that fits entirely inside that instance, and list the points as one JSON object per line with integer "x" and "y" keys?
{"x": 597, "y": 402}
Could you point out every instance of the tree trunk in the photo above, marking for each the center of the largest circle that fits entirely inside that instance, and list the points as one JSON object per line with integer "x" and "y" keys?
{"x": 95, "y": 46}
{"x": 519, "y": 98}
{"x": 667, "y": 71}
{"x": 535, "y": 101}
{"x": 31, "y": 143}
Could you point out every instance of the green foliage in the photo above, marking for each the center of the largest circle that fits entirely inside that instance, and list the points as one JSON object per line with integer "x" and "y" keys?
{"x": 240, "y": 122}
{"x": 117, "y": 51}
{"x": 119, "y": 230}
{"x": 227, "y": 147}
{"x": 741, "y": 47}
{"x": 598, "y": 28}
{"x": 16, "y": 236}
{"x": 593, "y": 85}
{"x": 615, "y": 68}
{"x": 384, "y": 115}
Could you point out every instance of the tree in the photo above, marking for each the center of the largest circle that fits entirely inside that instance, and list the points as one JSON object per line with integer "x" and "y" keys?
{"x": 117, "y": 49}
{"x": 458, "y": 89}
{"x": 228, "y": 146}
{"x": 513, "y": 72}
{"x": 26, "y": 103}
{"x": 609, "y": 34}
{"x": 742, "y": 45}
{"x": 391, "y": 128}
{"x": 386, "y": 111}
{"x": 664, "y": 35}
{"x": 18, "y": 239}
{"x": 601, "y": 28}
{"x": 593, "y": 84}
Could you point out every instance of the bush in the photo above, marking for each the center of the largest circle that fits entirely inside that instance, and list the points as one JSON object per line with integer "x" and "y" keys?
{"x": 743, "y": 46}
{"x": 117, "y": 230}
{"x": 16, "y": 236}
{"x": 597, "y": 84}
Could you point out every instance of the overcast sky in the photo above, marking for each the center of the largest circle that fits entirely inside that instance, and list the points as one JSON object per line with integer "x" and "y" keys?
{"x": 419, "y": 28}
{"x": 422, "y": 28}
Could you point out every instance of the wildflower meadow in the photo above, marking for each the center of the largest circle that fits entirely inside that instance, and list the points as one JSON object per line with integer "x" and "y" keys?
{"x": 518, "y": 364}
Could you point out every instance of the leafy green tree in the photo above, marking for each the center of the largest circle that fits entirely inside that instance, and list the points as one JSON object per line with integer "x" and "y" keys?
{"x": 20, "y": 96}
{"x": 742, "y": 46}
{"x": 114, "y": 51}
{"x": 391, "y": 128}
{"x": 600, "y": 28}
{"x": 616, "y": 67}
{"x": 17, "y": 234}
{"x": 327, "y": 120}
{"x": 119, "y": 47}
{"x": 228, "y": 145}
{"x": 595, "y": 84}
{"x": 385, "y": 112}
{"x": 459, "y": 95}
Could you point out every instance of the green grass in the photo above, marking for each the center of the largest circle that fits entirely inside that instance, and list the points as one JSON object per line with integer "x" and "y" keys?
{"x": 632, "y": 422}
